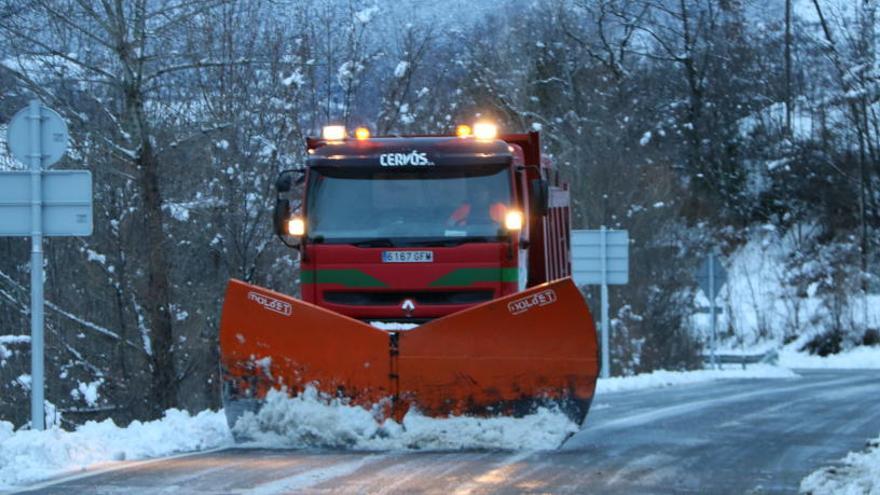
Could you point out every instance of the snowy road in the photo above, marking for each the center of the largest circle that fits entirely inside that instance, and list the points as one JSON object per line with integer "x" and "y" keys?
{"x": 742, "y": 436}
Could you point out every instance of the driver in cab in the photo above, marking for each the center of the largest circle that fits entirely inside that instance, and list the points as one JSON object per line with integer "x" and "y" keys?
{"x": 477, "y": 209}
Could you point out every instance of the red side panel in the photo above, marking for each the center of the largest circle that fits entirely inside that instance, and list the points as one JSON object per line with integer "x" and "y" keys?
{"x": 557, "y": 230}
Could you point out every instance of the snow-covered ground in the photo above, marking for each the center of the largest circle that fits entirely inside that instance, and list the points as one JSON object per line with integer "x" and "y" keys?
{"x": 27, "y": 456}
{"x": 762, "y": 308}
{"x": 857, "y": 474}
{"x": 662, "y": 378}
{"x": 761, "y": 305}
{"x": 855, "y": 358}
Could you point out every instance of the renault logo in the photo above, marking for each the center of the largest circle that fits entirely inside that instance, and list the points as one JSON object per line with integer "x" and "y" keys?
{"x": 408, "y": 306}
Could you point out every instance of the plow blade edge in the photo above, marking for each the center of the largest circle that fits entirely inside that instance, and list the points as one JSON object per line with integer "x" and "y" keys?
{"x": 503, "y": 357}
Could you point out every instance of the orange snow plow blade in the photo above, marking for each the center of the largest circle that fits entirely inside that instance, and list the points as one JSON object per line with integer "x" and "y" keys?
{"x": 503, "y": 357}
{"x": 270, "y": 340}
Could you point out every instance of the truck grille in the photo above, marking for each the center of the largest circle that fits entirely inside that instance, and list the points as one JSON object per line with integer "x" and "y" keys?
{"x": 351, "y": 298}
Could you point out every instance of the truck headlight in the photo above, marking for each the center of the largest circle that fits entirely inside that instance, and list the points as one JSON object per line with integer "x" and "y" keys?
{"x": 513, "y": 220}
{"x": 296, "y": 226}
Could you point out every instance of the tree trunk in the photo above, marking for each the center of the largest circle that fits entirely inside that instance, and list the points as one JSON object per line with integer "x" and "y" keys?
{"x": 163, "y": 390}
{"x": 788, "y": 89}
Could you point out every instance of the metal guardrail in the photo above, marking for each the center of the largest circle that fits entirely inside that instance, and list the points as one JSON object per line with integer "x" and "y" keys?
{"x": 769, "y": 357}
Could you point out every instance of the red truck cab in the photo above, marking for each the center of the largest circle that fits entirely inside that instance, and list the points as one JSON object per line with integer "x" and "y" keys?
{"x": 409, "y": 229}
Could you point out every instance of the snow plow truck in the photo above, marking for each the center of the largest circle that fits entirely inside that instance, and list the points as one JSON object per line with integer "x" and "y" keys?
{"x": 434, "y": 274}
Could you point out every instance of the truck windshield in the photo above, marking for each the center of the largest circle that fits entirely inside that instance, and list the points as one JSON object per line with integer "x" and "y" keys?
{"x": 399, "y": 207}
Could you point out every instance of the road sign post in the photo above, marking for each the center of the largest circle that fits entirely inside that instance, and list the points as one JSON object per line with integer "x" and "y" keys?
{"x": 601, "y": 257}
{"x": 606, "y": 340}
{"x": 58, "y": 203}
{"x": 711, "y": 277}
{"x": 37, "y": 306}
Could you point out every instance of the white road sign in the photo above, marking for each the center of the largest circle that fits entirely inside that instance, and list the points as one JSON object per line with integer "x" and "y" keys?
{"x": 53, "y": 136}
{"x": 719, "y": 275}
{"x": 66, "y": 208}
{"x": 587, "y": 259}
{"x": 601, "y": 257}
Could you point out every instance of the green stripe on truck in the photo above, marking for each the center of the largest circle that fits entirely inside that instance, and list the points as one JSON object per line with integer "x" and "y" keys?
{"x": 468, "y": 276}
{"x": 348, "y": 277}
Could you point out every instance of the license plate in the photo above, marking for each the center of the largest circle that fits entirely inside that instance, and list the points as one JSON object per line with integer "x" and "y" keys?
{"x": 407, "y": 256}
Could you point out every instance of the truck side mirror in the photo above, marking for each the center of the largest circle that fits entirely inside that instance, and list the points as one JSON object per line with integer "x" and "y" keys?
{"x": 284, "y": 183}
{"x": 281, "y": 215}
{"x": 286, "y": 180}
{"x": 540, "y": 197}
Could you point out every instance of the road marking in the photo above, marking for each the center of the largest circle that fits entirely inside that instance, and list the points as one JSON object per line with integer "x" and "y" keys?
{"x": 312, "y": 477}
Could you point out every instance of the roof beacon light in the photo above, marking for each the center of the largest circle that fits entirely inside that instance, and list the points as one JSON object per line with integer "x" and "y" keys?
{"x": 463, "y": 131}
{"x": 334, "y": 132}
{"x": 362, "y": 133}
{"x": 485, "y": 130}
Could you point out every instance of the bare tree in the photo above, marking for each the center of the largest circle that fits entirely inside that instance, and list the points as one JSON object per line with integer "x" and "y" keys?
{"x": 126, "y": 52}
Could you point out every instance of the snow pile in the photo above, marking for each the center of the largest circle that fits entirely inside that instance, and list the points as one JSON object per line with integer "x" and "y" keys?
{"x": 859, "y": 474}
{"x": 27, "y": 456}
{"x": 856, "y": 358}
{"x": 313, "y": 420}
{"x": 392, "y": 326}
{"x": 663, "y": 378}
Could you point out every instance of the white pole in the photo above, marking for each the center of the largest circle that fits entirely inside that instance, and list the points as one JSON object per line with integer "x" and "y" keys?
{"x": 606, "y": 355}
{"x": 36, "y": 159}
{"x": 712, "y": 305}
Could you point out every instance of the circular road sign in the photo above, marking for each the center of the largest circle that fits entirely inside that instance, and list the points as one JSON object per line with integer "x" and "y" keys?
{"x": 53, "y": 136}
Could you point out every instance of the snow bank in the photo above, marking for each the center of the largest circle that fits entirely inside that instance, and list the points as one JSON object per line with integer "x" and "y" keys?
{"x": 855, "y": 358}
{"x": 312, "y": 420}
{"x": 662, "y": 378}
{"x": 859, "y": 474}
{"x": 761, "y": 304}
{"x": 27, "y": 456}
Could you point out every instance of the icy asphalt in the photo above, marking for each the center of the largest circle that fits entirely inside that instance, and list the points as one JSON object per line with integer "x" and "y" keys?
{"x": 742, "y": 436}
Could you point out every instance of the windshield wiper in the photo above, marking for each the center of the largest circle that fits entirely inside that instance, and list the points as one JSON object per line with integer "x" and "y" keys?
{"x": 380, "y": 242}
{"x": 453, "y": 241}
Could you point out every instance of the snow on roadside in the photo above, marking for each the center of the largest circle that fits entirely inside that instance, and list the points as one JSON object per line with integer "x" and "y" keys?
{"x": 663, "y": 378}
{"x": 312, "y": 420}
{"x": 861, "y": 357}
{"x": 27, "y": 456}
{"x": 858, "y": 474}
